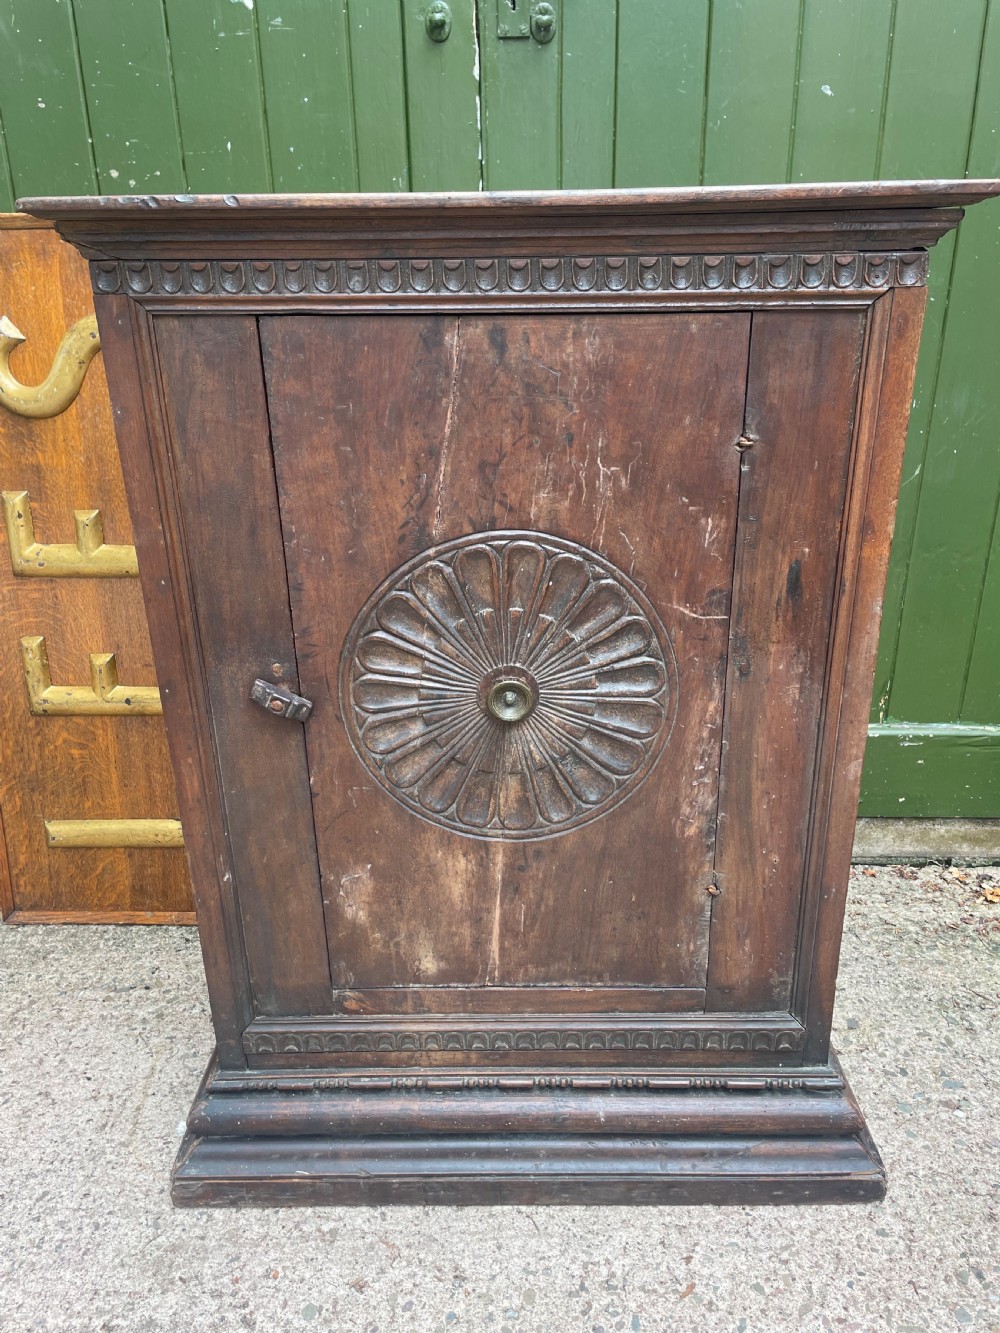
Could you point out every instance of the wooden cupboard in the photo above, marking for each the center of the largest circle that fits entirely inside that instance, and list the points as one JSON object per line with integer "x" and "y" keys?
{"x": 513, "y": 566}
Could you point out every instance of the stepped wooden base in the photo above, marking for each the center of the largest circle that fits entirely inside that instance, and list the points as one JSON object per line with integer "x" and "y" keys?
{"x": 304, "y": 1145}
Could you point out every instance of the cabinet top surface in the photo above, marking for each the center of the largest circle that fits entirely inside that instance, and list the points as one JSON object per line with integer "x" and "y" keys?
{"x": 860, "y": 215}
{"x": 694, "y": 199}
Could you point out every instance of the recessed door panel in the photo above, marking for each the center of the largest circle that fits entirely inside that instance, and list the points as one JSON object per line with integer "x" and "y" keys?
{"x": 510, "y": 544}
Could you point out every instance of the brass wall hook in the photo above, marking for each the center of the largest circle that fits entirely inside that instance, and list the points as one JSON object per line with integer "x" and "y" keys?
{"x": 79, "y": 346}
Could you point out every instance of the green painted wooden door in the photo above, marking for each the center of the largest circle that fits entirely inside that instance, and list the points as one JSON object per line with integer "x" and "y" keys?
{"x": 135, "y": 96}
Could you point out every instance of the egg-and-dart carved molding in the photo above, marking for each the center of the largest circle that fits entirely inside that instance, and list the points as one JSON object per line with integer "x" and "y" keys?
{"x": 508, "y": 685}
{"x": 347, "y": 1041}
{"x": 509, "y": 276}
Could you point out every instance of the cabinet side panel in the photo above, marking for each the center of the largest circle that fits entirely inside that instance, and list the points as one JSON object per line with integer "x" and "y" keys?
{"x": 802, "y": 389}
{"x": 885, "y": 408}
{"x": 220, "y": 440}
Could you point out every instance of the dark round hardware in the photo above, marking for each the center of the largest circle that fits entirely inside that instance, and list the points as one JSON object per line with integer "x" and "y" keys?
{"x": 543, "y": 22}
{"x": 437, "y": 22}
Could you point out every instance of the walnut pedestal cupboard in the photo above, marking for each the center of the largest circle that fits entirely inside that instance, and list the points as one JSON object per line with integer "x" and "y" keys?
{"x": 513, "y": 566}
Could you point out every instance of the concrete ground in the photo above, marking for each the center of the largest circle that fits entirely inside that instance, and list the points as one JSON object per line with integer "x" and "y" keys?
{"x": 105, "y": 1036}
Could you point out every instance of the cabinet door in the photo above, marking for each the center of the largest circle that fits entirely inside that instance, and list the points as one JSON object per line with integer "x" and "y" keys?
{"x": 510, "y": 543}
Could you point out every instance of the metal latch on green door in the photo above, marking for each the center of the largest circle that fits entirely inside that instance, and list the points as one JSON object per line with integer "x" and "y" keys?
{"x": 526, "y": 18}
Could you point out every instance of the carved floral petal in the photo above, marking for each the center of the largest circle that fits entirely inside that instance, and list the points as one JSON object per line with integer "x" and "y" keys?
{"x": 633, "y": 718}
{"x": 387, "y": 736}
{"x": 441, "y": 791}
{"x": 606, "y": 604}
{"x": 373, "y": 694}
{"x": 566, "y": 580}
{"x": 477, "y": 571}
{"x": 523, "y": 568}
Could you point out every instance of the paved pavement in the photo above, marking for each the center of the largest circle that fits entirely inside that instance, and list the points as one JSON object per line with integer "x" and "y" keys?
{"x": 105, "y": 1036}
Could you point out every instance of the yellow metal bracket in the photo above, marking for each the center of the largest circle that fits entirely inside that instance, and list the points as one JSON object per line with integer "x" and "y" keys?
{"x": 114, "y": 833}
{"x": 104, "y": 695}
{"x": 88, "y": 557}
{"x": 61, "y": 385}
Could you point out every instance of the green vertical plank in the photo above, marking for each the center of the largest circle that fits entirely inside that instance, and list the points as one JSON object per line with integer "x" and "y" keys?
{"x": 954, "y": 527}
{"x": 220, "y": 106}
{"x": 442, "y": 94}
{"x": 6, "y": 188}
{"x": 126, "y": 75}
{"x": 379, "y": 82}
{"x": 588, "y": 36}
{"x": 924, "y": 136}
{"x": 520, "y": 106}
{"x": 981, "y": 697}
{"x": 981, "y": 701}
{"x": 929, "y": 135}
{"x": 662, "y": 60}
{"x": 306, "y": 69}
{"x": 751, "y": 91}
{"x": 44, "y": 112}
{"x": 841, "y": 76}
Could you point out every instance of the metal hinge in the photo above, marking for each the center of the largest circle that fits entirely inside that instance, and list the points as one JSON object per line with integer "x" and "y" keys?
{"x": 280, "y": 701}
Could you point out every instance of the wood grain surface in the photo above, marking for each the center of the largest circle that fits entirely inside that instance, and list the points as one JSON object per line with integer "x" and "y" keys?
{"x": 393, "y": 436}
{"x": 801, "y": 390}
{"x": 230, "y": 517}
{"x": 73, "y": 767}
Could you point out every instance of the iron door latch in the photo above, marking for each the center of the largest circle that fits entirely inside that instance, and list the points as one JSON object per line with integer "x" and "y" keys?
{"x": 524, "y": 18}
{"x": 279, "y": 700}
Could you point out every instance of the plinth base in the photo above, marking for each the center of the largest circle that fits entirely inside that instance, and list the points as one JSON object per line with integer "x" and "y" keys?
{"x": 293, "y": 1146}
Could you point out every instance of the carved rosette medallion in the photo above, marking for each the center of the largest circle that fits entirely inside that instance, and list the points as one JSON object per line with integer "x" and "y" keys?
{"x": 508, "y": 685}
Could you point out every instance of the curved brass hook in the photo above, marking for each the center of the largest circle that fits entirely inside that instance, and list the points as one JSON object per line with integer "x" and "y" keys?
{"x": 60, "y": 386}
